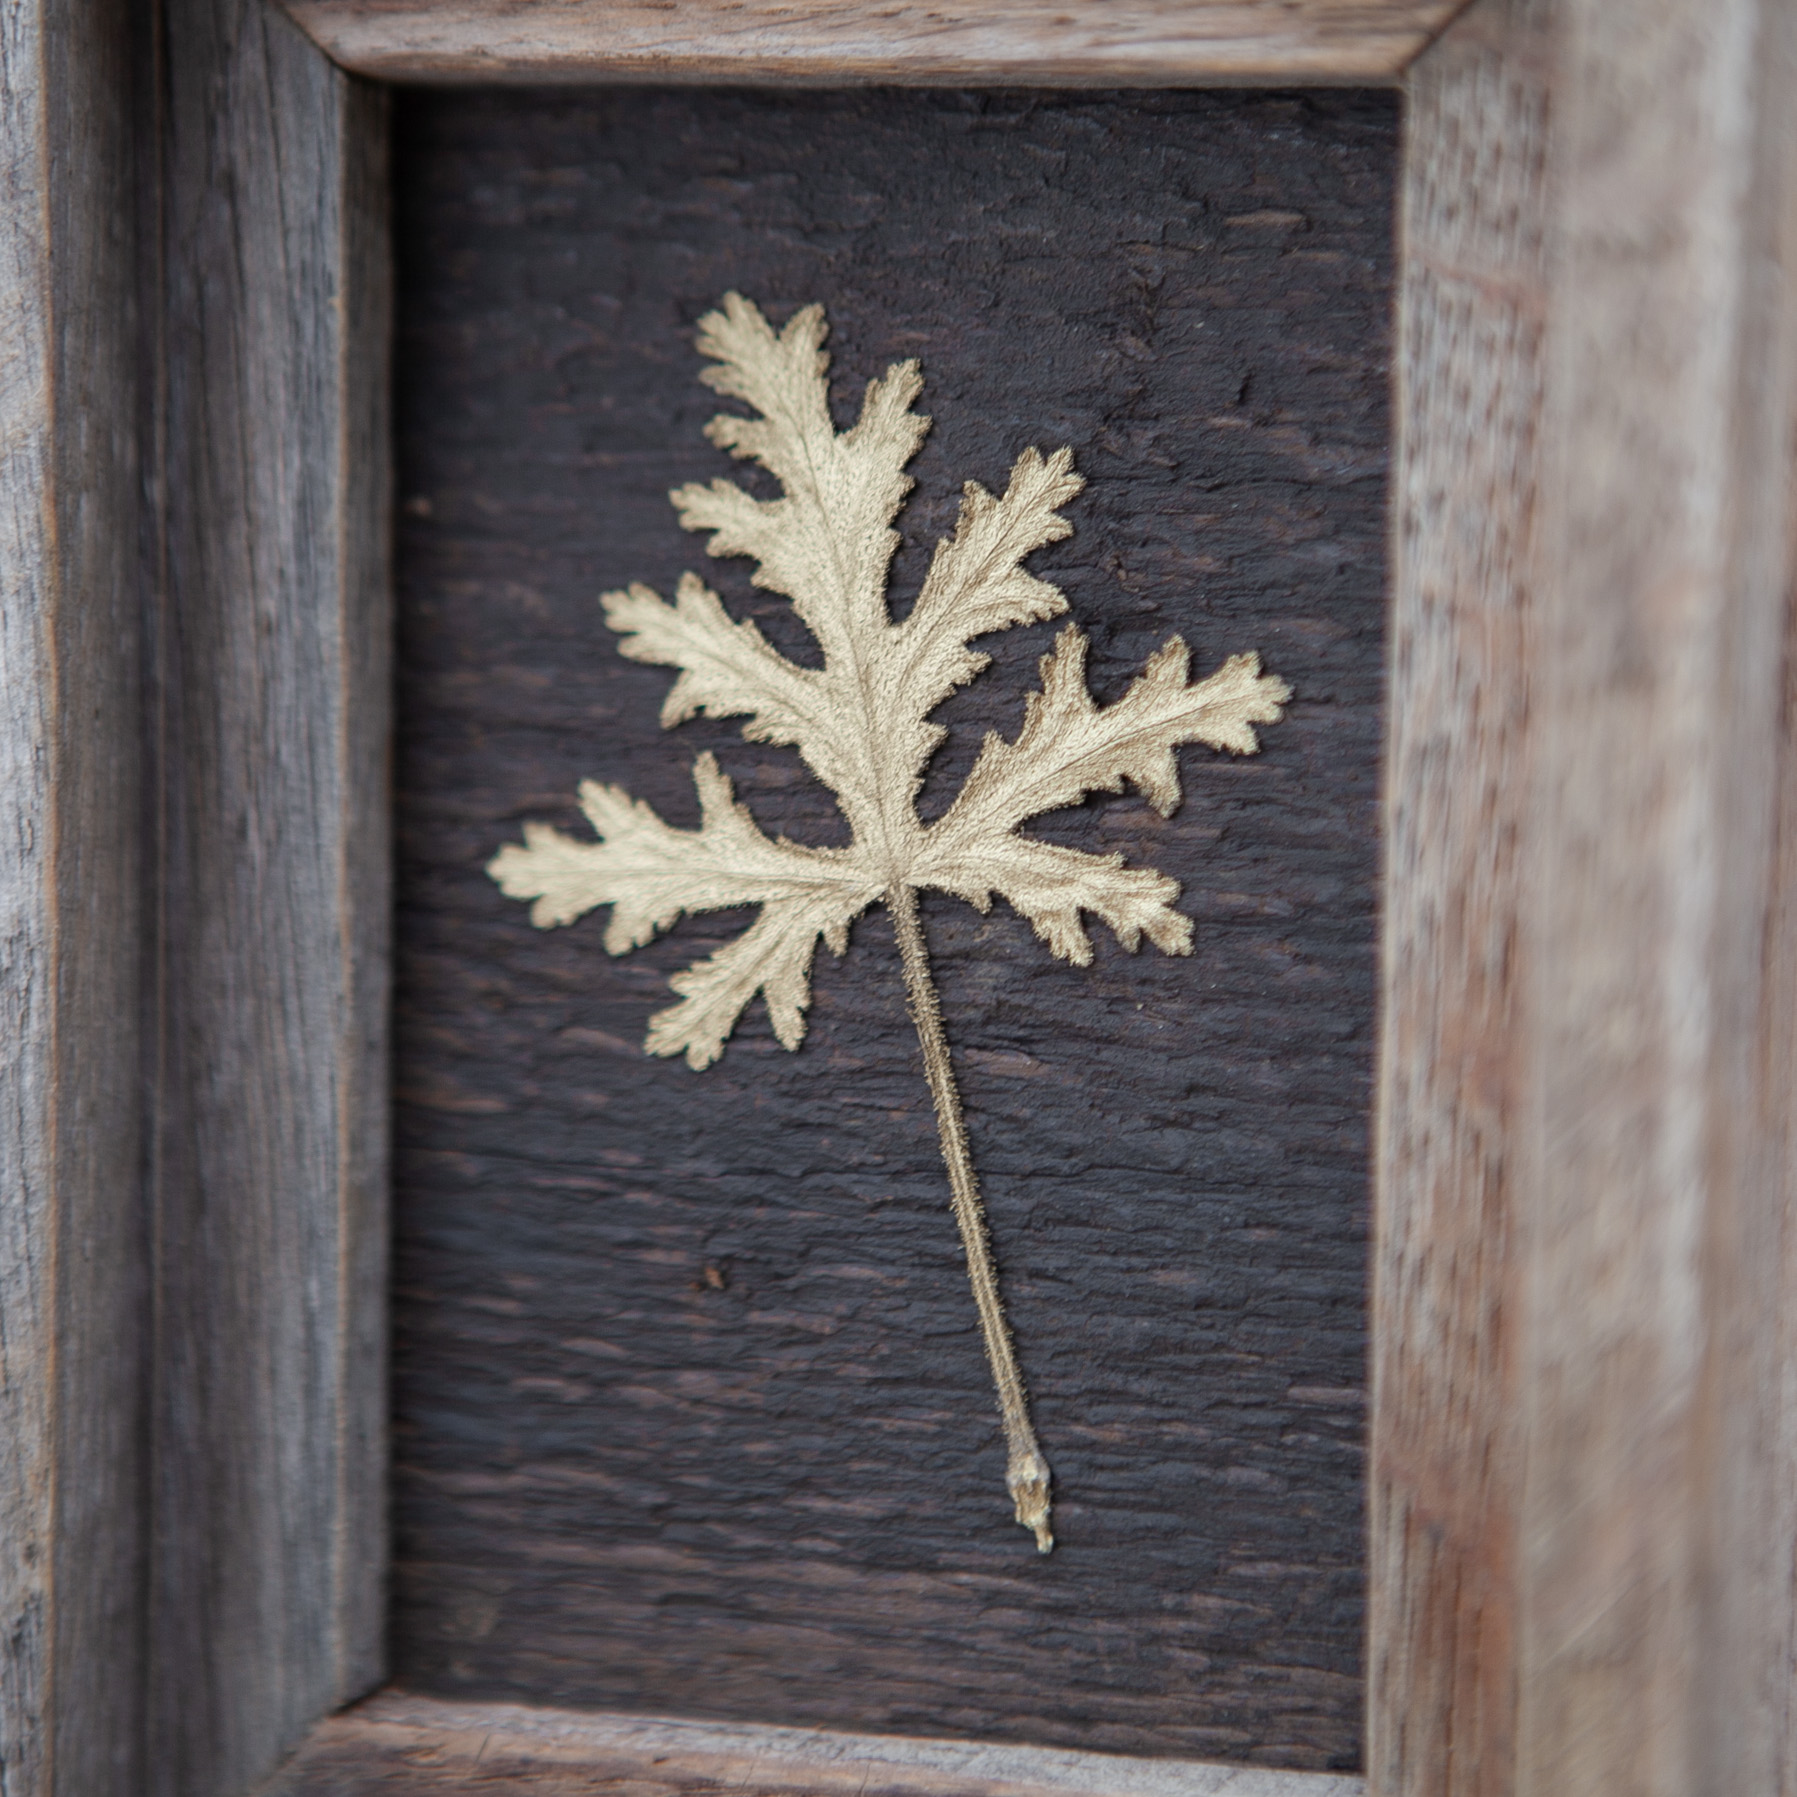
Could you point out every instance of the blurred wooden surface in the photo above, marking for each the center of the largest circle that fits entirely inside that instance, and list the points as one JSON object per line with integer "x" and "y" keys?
{"x": 397, "y": 1745}
{"x": 1654, "y": 1587}
{"x": 823, "y": 43}
{"x": 772, "y": 1491}
{"x": 1583, "y": 1473}
{"x": 269, "y": 736}
{"x": 72, "y": 1287}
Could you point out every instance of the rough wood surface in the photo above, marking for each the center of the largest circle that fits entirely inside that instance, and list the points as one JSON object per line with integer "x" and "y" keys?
{"x": 839, "y": 42}
{"x": 1445, "y": 1429}
{"x": 1583, "y": 1456}
{"x": 71, "y": 1297}
{"x": 691, "y": 1408}
{"x": 402, "y": 1746}
{"x": 269, "y": 1167}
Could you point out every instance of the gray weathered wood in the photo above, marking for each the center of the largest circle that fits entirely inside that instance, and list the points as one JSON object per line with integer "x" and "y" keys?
{"x": 269, "y": 1168}
{"x": 404, "y": 1746}
{"x": 71, "y": 1299}
{"x": 1583, "y": 1464}
{"x": 1142, "y": 43}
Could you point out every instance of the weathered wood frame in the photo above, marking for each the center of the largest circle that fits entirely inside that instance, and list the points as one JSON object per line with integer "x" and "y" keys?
{"x": 1584, "y": 1481}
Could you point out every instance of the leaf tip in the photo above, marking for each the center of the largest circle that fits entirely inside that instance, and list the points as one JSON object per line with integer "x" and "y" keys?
{"x": 1170, "y": 663}
{"x": 1170, "y": 932}
{"x": 666, "y": 1038}
{"x": 497, "y": 869}
{"x": 1065, "y": 936}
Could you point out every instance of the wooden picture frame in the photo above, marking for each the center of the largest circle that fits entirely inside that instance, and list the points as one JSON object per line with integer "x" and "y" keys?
{"x": 1584, "y": 1431}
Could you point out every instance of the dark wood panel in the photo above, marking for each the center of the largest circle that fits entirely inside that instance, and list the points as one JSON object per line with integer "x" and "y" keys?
{"x": 691, "y": 1409}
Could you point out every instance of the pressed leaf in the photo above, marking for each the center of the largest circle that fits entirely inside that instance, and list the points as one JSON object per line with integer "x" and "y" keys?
{"x": 862, "y": 721}
{"x": 651, "y": 873}
{"x": 773, "y": 957}
{"x": 862, "y": 724}
{"x": 976, "y": 585}
{"x": 726, "y": 668}
{"x": 827, "y": 544}
{"x": 1070, "y": 746}
{"x": 1052, "y": 886}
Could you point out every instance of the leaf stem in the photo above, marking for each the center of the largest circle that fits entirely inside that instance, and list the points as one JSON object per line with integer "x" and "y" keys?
{"x": 1026, "y": 1472}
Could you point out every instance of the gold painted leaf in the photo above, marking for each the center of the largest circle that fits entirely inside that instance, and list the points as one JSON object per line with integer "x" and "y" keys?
{"x": 976, "y": 585}
{"x": 651, "y": 873}
{"x": 862, "y": 721}
{"x": 862, "y": 724}
{"x": 828, "y": 543}
{"x": 1068, "y": 747}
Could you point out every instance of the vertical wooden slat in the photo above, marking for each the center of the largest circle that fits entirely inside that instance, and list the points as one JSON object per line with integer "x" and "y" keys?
{"x": 1444, "y": 1514}
{"x": 71, "y": 1296}
{"x": 359, "y": 1569}
{"x": 1582, "y": 1518}
{"x": 1654, "y": 1194}
{"x": 269, "y": 1176}
{"x": 28, "y": 691}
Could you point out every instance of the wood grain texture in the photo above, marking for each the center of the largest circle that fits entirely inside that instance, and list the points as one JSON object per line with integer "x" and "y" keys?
{"x": 1145, "y": 43}
{"x": 72, "y": 1313}
{"x": 1753, "y": 1533}
{"x": 774, "y": 1494}
{"x": 1445, "y": 1501}
{"x": 269, "y": 1170}
{"x": 1583, "y": 1476}
{"x": 1653, "y": 1297}
{"x": 402, "y": 1746}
